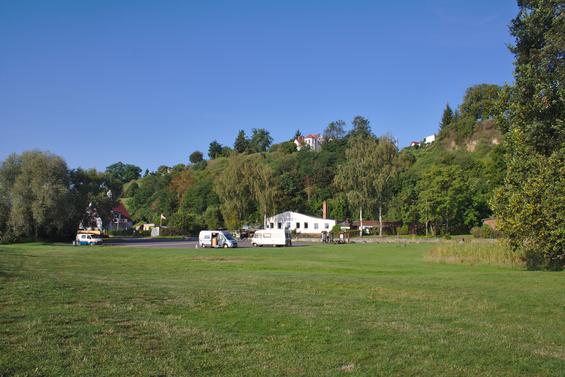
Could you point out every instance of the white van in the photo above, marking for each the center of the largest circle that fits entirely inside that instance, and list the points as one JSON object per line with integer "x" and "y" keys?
{"x": 88, "y": 239}
{"x": 271, "y": 237}
{"x": 216, "y": 238}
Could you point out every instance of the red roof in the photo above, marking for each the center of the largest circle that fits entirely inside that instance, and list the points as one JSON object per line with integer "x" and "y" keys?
{"x": 121, "y": 209}
{"x": 313, "y": 136}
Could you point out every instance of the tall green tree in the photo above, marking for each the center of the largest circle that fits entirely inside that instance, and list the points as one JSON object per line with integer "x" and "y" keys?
{"x": 530, "y": 206}
{"x": 365, "y": 177}
{"x": 241, "y": 144}
{"x": 361, "y": 127}
{"x": 260, "y": 141}
{"x": 334, "y": 131}
{"x": 40, "y": 200}
{"x": 123, "y": 173}
{"x": 446, "y": 118}
{"x": 215, "y": 150}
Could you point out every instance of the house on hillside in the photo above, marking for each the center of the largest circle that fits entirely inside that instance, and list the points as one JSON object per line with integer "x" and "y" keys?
{"x": 121, "y": 219}
{"x": 429, "y": 139}
{"x": 313, "y": 141}
{"x": 415, "y": 144}
{"x": 300, "y": 223}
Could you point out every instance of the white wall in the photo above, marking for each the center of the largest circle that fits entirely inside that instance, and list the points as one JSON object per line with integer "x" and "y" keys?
{"x": 307, "y": 224}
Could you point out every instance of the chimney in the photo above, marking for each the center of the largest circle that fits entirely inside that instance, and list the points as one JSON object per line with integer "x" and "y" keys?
{"x": 325, "y": 209}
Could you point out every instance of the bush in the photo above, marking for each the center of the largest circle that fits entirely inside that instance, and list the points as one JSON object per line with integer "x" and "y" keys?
{"x": 123, "y": 232}
{"x": 484, "y": 231}
{"x": 403, "y": 230}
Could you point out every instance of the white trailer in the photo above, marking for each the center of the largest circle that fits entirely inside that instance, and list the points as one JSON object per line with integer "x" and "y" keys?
{"x": 271, "y": 237}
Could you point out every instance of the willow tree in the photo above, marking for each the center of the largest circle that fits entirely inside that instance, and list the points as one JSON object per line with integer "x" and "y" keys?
{"x": 234, "y": 193}
{"x": 365, "y": 177}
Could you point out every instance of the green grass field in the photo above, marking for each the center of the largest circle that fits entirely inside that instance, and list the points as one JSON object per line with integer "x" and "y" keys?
{"x": 362, "y": 310}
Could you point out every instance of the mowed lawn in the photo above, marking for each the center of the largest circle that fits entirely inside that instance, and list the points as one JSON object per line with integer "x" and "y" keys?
{"x": 363, "y": 310}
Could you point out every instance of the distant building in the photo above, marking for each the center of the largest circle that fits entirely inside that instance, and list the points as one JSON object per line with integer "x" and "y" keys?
{"x": 313, "y": 141}
{"x": 121, "y": 219}
{"x": 415, "y": 144}
{"x": 300, "y": 223}
{"x": 430, "y": 139}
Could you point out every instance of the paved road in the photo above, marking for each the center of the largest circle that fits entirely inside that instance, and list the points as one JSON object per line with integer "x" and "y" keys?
{"x": 163, "y": 243}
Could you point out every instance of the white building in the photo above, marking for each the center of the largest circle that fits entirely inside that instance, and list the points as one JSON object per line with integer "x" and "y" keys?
{"x": 430, "y": 139}
{"x": 300, "y": 223}
{"x": 313, "y": 141}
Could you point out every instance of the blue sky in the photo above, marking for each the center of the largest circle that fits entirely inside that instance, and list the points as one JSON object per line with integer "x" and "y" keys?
{"x": 148, "y": 82}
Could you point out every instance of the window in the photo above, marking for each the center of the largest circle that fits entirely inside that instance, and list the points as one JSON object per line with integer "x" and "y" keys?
{"x": 271, "y": 225}
{"x": 297, "y": 225}
{"x": 266, "y": 235}
{"x": 279, "y": 225}
{"x": 327, "y": 225}
{"x": 305, "y": 225}
{"x": 316, "y": 226}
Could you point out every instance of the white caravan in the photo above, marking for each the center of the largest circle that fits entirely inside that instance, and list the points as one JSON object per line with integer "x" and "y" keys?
{"x": 271, "y": 237}
{"x": 216, "y": 238}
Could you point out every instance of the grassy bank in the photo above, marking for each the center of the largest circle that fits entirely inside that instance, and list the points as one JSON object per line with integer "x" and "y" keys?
{"x": 475, "y": 253}
{"x": 359, "y": 310}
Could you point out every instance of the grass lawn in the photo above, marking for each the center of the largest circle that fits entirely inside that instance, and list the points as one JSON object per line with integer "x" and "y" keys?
{"x": 351, "y": 310}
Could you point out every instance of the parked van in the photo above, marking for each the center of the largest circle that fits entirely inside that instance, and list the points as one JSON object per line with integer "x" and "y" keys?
{"x": 87, "y": 239}
{"x": 271, "y": 237}
{"x": 216, "y": 238}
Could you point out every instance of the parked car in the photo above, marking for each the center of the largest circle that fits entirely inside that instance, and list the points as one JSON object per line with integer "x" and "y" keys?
{"x": 88, "y": 239}
{"x": 216, "y": 238}
{"x": 271, "y": 237}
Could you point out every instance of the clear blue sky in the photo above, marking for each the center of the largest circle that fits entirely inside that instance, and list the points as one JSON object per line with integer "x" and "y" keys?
{"x": 148, "y": 82}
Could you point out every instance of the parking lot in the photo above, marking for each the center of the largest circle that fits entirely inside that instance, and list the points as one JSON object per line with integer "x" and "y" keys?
{"x": 161, "y": 243}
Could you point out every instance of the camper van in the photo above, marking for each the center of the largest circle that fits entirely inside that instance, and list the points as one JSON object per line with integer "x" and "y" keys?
{"x": 216, "y": 238}
{"x": 271, "y": 237}
{"x": 87, "y": 239}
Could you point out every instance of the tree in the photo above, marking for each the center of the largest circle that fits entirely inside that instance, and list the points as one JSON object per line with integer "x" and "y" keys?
{"x": 234, "y": 193}
{"x": 36, "y": 192}
{"x": 196, "y": 157}
{"x": 530, "y": 206}
{"x": 361, "y": 127}
{"x": 123, "y": 173}
{"x": 241, "y": 144}
{"x": 446, "y": 118}
{"x": 215, "y": 150}
{"x": 366, "y": 174}
{"x": 260, "y": 141}
{"x": 334, "y": 131}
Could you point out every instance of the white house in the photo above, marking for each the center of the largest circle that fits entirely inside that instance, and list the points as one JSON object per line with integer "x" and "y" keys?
{"x": 314, "y": 141}
{"x": 300, "y": 223}
{"x": 430, "y": 139}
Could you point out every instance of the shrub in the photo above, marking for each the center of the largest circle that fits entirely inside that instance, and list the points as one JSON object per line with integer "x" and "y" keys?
{"x": 403, "y": 230}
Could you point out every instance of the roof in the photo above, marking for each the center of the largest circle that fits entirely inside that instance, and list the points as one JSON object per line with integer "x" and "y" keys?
{"x": 312, "y": 136}
{"x": 121, "y": 209}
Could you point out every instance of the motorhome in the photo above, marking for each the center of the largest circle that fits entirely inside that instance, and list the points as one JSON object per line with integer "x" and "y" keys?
{"x": 216, "y": 238}
{"x": 271, "y": 237}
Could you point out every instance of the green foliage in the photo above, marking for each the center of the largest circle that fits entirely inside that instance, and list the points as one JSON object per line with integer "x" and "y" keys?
{"x": 484, "y": 231}
{"x": 215, "y": 150}
{"x": 260, "y": 141}
{"x": 241, "y": 144}
{"x": 335, "y": 131}
{"x": 36, "y": 200}
{"x": 123, "y": 173}
{"x": 530, "y": 206}
{"x": 446, "y": 118}
{"x": 196, "y": 157}
{"x": 361, "y": 128}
